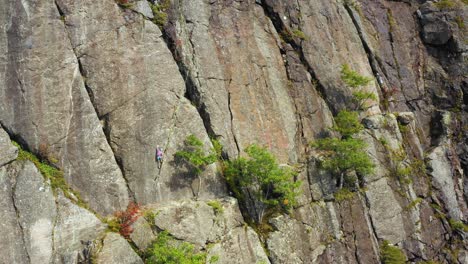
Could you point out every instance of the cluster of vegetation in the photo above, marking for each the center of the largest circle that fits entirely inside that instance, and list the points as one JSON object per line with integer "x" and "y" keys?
{"x": 458, "y": 225}
{"x": 217, "y": 207}
{"x": 346, "y": 155}
{"x": 391, "y": 255}
{"x": 123, "y": 220}
{"x": 167, "y": 250}
{"x": 445, "y": 4}
{"x": 289, "y": 35}
{"x": 160, "y": 12}
{"x": 51, "y": 173}
{"x": 124, "y": 3}
{"x": 256, "y": 178}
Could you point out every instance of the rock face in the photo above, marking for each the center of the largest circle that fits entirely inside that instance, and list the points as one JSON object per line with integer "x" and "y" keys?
{"x": 117, "y": 250}
{"x": 53, "y": 115}
{"x": 92, "y": 87}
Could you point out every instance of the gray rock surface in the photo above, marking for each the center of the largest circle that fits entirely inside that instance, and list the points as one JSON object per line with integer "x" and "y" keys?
{"x": 36, "y": 207}
{"x": 385, "y": 212}
{"x": 442, "y": 179}
{"x": 138, "y": 94}
{"x": 285, "y": 246}
{"x": 240, "y": 245}
{"x": 142, "y": 234}
{"x": 143, "y": 8}
{"x": 73, "y": 229}
{"x": 43, "y": 99}
{"x": 196, "y": 221}
{"x": 116, "y": 250}
{"x": 8, "y": 151}
{"x": 12, "y": 247}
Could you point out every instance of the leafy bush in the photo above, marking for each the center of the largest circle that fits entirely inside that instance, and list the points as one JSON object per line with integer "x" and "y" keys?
{"x": 166, "y": 250}
{"x": 391, "y": 255}
{"x": 261, "y": 178}
{"x": 299, "y": 34}
{"x": 124, "y": 220}
{"x": 195, "y": 155}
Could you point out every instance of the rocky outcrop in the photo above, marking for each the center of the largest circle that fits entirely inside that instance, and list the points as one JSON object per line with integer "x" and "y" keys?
{"x": 138, "y": 94}
{"x": 117, "y": 250}
{"x": 44, "y": 103}
{"x": 92, "y": 87}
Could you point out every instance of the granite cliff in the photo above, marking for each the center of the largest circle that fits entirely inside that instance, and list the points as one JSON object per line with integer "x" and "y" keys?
{"x": 91, "y": 87}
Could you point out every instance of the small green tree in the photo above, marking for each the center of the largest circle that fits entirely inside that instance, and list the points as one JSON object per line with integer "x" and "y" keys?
{"x": 391, "y": 255}
{"x": 356, "y": 81}
{"x": 347, "y": 123}
{"x": 341, "y": 156}
{"x": 195, "y": 155}
{"x": 265, "y": 183}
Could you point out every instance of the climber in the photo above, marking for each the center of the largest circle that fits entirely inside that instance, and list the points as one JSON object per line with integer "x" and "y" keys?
{"x": 159, "y": 156}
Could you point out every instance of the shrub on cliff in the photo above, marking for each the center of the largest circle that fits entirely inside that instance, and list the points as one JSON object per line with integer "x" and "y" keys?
{"x": 165, "y": 249}
{"x": 259, "y": 179}
{"x": 391, "y": 255}
{"x": 195, "y": 155}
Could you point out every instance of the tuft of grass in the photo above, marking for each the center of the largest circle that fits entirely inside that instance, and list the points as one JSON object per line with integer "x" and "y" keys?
{"x": 160, "y": 12}
{"x": 343, "y": 194}
{"x": 458, "y": 225}
{"x": 51, "y": 173}
{"x": 461, "y": 24}
{"x": 299, "y": 34}
{"x": 391, "y": 255}
{"x": 217, "y": 207}
{"x": 445, "y": 4}
{"x": 413, "y": 203}
{"x": 124, "y": 3}
{"x": 165, "y": 249}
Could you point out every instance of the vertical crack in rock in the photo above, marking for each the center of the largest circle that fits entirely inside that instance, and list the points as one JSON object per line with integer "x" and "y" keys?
{"x": 370, "y": 56}
{"x": 104, "y": 120}
{"x": 13, "y": 191}
{"x": 192, "y": 92}
{"x": 232, "y": 124}
{"x": 280, "y": 27}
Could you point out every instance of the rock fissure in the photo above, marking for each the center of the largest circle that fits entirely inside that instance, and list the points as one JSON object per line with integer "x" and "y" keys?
{"x": 23, "y": 233}
{"x": 281, "y": 27}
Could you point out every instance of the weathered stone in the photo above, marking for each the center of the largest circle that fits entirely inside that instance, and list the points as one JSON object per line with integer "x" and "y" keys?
{"x": 43, "y": 100}
{"x": 385, "y": 212}
{"x": 435, "y": 29}
{"x": 8, "y": 151}
{"x": 138, "y": 92}
{"x": 196, "y": 221}
{"x": 442, "y": 179}
{"x": 243, "y": 105}
{"x": 405, "y": 118}
{"x": 143, "y": 8}
{"x": 75, "y": 228}
{"x": 285, "y": 246}
{"x": 240, "y": 245}
{"x": 142, "y": 234}
{"x": 117, "y": 250}
{"x": 12, "y": 248}
{"x": 35, "y": 203}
